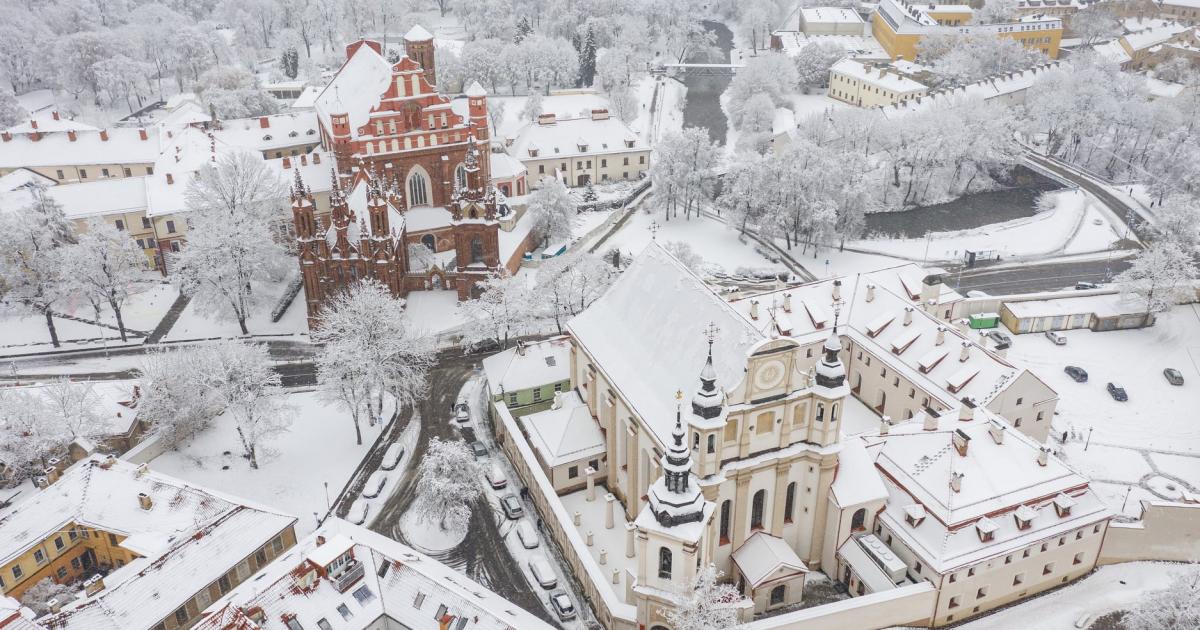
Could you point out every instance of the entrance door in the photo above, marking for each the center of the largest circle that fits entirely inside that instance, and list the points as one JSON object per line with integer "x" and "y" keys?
{"x": 584, "y": 179}
{"x": 88, "y": 558}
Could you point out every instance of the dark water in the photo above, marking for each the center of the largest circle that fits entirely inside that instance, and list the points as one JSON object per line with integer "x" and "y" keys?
{"x": 703, "y": 106}
{"x": 966, "y": 212}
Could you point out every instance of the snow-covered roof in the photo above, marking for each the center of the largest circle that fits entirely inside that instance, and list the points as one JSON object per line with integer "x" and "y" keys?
{"x": 882, "y": 77}
{"x": 185, "y": 152}
{"x": 424, "y": 218}
{"x": 1112, "y": 51}
{"x": 763, "y": 556}
{"x": 355, "y": 89}
{"x": 1153, "y": 35}
{"x": 207, "y": 533}
{"x": 856, "y": 481}
{"x": 475, "y": 90}
{"x": 918, "y": 466}
{"x": 504, "y": 166}
{"x": 1110, "y": 305}
{"x": 282, "y": 130}
{"x": 48, "y": 122}
{"x": 991, "y": 87}
{"x": 563, "y": 138}
{"x": 23, "y": 177}
{"x": 37, "y": 100}
{"x": 566, "y": 434}
{"x": 826, "y": 15}
{"x": 418, "y": 33}
{"x": 123, "y": 146}
{"x": 113, "y": 403}
{"x": 540, "y": 363}
{"x": 397, "y": 583}
{"x": 87, "y": 199}
{"x": 307, "y": 99}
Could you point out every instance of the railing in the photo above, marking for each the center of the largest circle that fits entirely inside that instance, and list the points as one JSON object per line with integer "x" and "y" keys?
{"x": 347, "y": 579}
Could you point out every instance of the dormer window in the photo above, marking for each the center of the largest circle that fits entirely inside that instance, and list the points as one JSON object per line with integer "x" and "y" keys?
{"x": 986, "y": 528}
{"x": 267, "y": 137}
{"x": 629, "y": 144}
{"x": 914, "y": 515}
{"x": 533, "y": 153}
{"x": 1024, "y": 517}
{"x": 310, "y": 132}
{"x": 1063, "y": 505}
{"x": 583, "y": 148}
{"x": 293, "y": 134}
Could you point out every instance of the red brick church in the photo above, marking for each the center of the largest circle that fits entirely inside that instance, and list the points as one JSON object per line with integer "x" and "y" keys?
{"x": 412, "y": 169}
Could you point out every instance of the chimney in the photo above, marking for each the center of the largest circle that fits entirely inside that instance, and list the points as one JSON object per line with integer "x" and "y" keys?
{"x": 71, "y": 135}
{"x": 787, "y": 302}
{"x": 35, "y": 136}
{"x": 908, "y": 310}
{"x": 996, "y": 430}
{"x": 33, "y": 123}
{"x": 870, "y": 292}
{"x": 54, "y": 605}
{"x": 103, "y": 135}
{"x": 54, "y": 114}
{"x": 961, "y": 440}
{"x": 142, "y": 469}
{"x": 108, "y": 462}
{"x": 170, "y": 179}
{"x": 142, "y": 134}
{"x": 966, "y": 351}
{"x": 963, "y": 325}
{"x": 837, "y": 289}
{"x": 93, "y": 585}
{"x": 320, "y": 540}
{"x": 753, "y": 309}
{"x": 599, "y": 114}
{"x": 941, "y": 335}
{"x": 956, "y": 481}
{"x": 7, "y": 137}
{"x": 287, "y": 163}
{"x": 145, "y": 501}
{"x": 1043, "y": 457}
{"x": 316, "y": 158}
{"x": 264, "y": 122}
{"x": 967, "y": 410}
{"x": 931, "y": 420}
{"x": 546, "y": 119}
{"x": 885, "y": 425}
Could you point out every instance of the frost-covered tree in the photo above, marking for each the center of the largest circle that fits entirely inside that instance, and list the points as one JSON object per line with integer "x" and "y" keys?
{"x": 772, "y": 74}
{"x": 623, "y": 103}
{"x": 533, "y": 106}
{"x": 289, "y": 62}
{"x": 707, "y": 605}
{"x": 447, "y": 485}
{"x": 569, "y": 283}
{"x": 996, "y": 12}
{"x": 23, "y": 62}
{"x": 1178, "y": 221}
{"x": 503, "y": 310}
{"x": 243, "y": 383}
{"x": 496, "y": 115}
{"x": 232, "y": 206}
{"x": 71, "y": 405}
{"x": 46, "y": 589}
{"x": 11, "y": 112}
{"x": 36, "y": 425}
{"x": 756, "y": 20}
{"x": 1173, "y": 608}
{"x": 1159, "y": 277}
{"x": 587, "y": 58}
{"x": 683, "y": 170}
{"x": 176, "y": 401}
{"x": 371, "y": 350}
{"x": 31, "y": 246}
{"x": 958, "y": 59}
{"x": 553, "y": 210}
{"x": 1094, "y": 23}
{"x": 233, "y": 93}
{"x": 104, "y": 264}
{"x": 813, "y": 63}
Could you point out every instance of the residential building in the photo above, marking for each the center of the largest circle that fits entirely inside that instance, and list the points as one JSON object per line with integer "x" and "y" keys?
{"x": 589, "y": 149}
{"x": 826, "y": 21}
{"x": 1008, "y": 88}
{"x": 569, "y": 446}
{"x": 1063, "y": 9}
{"x": 347, "y": 577}
{"x": 527, "y": 376}
{"x": 899, "y": 26}
{"x": 1187, "y": 11}
{"x": 869, "y": 84}
{"x": 150, "y": 551}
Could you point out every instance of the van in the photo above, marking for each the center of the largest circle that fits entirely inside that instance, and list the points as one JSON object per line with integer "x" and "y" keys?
{"x": 542, "y": 572}
{"x": 375, "y": 484}
{"x": 1056, "y": 338}
{"x": 392, "y": 457}
{"x": 496, "y": 478}
{"x": 527, "y": 535}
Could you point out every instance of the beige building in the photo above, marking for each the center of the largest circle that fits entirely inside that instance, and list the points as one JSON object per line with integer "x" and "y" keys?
{"x": 866, "y": 83}
{"x": 597, "y": 148}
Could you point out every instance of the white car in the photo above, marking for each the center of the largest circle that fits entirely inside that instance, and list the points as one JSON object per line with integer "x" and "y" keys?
{"x": 543, "y": 573}
{"x": 496, "y": 477}
{"x": 358, "y": 512}
{"x": 527, "y": 535}
{"x": 392, "y": 457}
{"x": 375, "y": 484}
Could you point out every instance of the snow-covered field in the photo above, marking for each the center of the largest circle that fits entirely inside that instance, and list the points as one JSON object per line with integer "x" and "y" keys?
{"x": 1132, "y": 443}
{"x": 1074, "y": 225}
{"x": 433, "y": 312}
{"x": 712, "y": 240}
{"x": 194, "y": 325}
{"x": 294, "y": 467}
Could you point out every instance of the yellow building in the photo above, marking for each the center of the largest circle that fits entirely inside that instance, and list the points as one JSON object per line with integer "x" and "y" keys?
{"x": 149, "y": 551}
{"x": 899, "y": 27}
{"x": 872, "y": 84}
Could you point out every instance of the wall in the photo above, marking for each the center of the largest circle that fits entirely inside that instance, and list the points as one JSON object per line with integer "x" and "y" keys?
{"x": 1166, "y": 531}
{"x": 600, "y": 167}
{"x": 906, "y": 606}
{"x": 858, "y": 92}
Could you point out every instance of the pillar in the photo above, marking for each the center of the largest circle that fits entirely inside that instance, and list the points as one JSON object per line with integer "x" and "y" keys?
{"x": 591, "y": 483}
{"x": 609, "y": 500}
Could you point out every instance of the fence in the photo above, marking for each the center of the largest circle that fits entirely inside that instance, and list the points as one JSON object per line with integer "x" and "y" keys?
{"x": 1165, "y": 531}
{"x": 910, "y": 605}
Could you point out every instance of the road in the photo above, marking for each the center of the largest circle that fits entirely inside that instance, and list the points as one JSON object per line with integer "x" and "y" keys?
{"x": 1133, "y": 217}
{"x": 1034, "y": 277}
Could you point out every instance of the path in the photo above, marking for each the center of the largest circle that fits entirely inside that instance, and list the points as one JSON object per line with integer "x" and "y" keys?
{"x": 168, "y": 320}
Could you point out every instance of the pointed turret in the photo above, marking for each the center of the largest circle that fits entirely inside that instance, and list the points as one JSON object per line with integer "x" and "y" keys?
{"x": 675, "y": 498}
{"x": 708, "y": 403}
{"x": 830, "y": 371}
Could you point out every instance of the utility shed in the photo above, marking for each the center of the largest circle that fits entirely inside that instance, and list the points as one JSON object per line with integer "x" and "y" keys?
{"x": 1095, "y": 312}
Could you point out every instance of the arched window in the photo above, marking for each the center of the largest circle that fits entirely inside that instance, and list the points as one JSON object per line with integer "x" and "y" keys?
{"x": 858, "y": 522}
{"x": 664, "y": 563}
{"x": 428, "y": 241}
{"x": 833, "y": 413}
{"x": 460, "y": 176}
{"x": 789, "y": 502}
{"x": 820, "y": 413}
{"x": 476, "y": 250}
{"x": 726, "y": 508}
{"x": 418, "y": 189}
{"x": 757, "y": 508}
{"x": 712, "y": 443}
{"x": 695, "y": 441}
{"x": 777, "y": 595}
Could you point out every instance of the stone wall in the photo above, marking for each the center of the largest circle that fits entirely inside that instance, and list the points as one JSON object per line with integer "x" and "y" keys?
{"x": 1166, "y": 531}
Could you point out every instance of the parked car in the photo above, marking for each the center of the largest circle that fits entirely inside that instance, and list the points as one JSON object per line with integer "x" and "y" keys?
{"x": 1174, "y": 377}
{"x": 392, "y": 457}
{"x": 527, "y": 535}
{"x": 496, "y": 477}
{"x": 1117, "y": 392}
{"x": 358, "y": 512}
{"x": 976, "y": 293}
{"x": 1002, "y": 341}
{"x": 375, "y": 484}
{"x": 543, "y": 573}
{"x": 1077, "y": 374}
{"x": 1083, "y": 286}
{"x": 462, "y": 412}
{"x": 512, "y": 506}
{"x": 479, "y": 449}
{"x": 1056, "y": 338}
{"x": 562, "y": 605}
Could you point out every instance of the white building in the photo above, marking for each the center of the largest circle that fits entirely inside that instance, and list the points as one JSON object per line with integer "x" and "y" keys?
{"x": 596, "y": 148}
{"x": 867, "y": 83}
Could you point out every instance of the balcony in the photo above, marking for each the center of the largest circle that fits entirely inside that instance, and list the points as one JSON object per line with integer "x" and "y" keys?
{"x": 347, "y": 578}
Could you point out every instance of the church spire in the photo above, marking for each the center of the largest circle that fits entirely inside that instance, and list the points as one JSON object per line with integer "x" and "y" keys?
{"x": 709, "y": 401}
{"x": 675, "y": 498}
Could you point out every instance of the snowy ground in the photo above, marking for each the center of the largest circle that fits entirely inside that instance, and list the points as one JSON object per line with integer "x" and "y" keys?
{"x": 193, "y": 324}
{"x": 300, "y": 471}
{"x": 1074, "y": 225}
{"x": 434, "y": 312}
{"x": 712, "y": 240}
{"x": 1110, "y": 588}
{"x": 1150, "y": 442}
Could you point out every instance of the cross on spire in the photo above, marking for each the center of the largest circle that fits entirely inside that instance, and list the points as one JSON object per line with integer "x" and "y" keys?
{"x": 837, "y": 310}
{"x": 710, "y": 332}
{"x": 654, "y": 230}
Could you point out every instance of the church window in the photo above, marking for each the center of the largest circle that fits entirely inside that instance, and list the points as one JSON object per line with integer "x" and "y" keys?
{"x": 664, "y": 563}
{"x": 712, "y": 443}
{"x": 726, "y": 508}
{"x": 476, "y": 250}
{"x": 460, "y": 176}
{"x": 859, "y": 520}
{"x": 418, "y": 190}
{"x": 695, "y": 441}
{"x": 757, "y": 509}
{"x": 789, "y": 502}
{"x": 416, "y": 84}
{"x": 820, "y": 413}
{"x": 428, "y": 241}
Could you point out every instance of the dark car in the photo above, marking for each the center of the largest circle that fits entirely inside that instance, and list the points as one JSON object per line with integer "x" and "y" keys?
{"x": 562, "y": 605}
{"x": 1077, "y": 374}
{"x": 512, "y": 506}
{"x": 1174, "y": 377}
{"x": 1117, "y": 392}
{"x": 1084, "y": 286}
{"x": 479, "y": 449}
